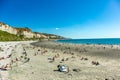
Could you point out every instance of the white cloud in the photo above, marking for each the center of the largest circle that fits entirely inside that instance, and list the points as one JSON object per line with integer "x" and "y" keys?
{"x": 57, "y": 28}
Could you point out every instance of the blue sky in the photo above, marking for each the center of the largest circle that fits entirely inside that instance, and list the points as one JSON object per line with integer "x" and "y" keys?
{"x": 68, "y": 18}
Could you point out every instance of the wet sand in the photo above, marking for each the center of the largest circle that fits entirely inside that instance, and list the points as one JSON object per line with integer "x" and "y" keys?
{"x": 39, "y": 61}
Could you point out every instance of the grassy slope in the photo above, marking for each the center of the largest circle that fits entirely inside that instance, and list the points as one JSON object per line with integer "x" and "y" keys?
{"x": 5, "y": 36}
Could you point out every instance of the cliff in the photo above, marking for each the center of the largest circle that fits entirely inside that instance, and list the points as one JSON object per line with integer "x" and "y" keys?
{"x": 26, "y": 32}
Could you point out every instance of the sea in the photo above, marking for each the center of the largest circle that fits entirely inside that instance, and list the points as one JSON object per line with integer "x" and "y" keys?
{"x": 104, "y": 41}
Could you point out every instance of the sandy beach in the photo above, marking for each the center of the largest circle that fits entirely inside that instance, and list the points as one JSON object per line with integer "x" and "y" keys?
{"x": 39, "y": 60}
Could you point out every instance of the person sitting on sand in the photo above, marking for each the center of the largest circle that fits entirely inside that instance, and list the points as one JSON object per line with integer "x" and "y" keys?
{"x": 95, "y": 63}
{"x": 5, "y": 67}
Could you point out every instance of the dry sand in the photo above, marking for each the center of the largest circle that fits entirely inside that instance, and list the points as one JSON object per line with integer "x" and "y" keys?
{"x": 32, "y": 61}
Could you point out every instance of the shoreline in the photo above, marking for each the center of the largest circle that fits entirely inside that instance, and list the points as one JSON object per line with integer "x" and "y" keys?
{"x": 91, "y": 42}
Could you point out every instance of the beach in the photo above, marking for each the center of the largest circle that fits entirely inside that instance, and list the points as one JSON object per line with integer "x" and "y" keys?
{"x": 31, "y": 60}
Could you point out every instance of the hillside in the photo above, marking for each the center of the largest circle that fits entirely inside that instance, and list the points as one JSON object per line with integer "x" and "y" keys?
{"x": 51, "y": 36}
{"x": 8, "y": 33}
{"x": 5, "y": 36}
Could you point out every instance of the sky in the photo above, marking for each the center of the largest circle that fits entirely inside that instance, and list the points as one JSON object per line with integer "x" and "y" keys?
{"x": 69, "y": 18}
